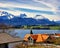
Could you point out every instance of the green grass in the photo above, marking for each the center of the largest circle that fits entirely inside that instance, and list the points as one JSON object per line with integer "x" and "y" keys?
{"x": 39, "y": 27}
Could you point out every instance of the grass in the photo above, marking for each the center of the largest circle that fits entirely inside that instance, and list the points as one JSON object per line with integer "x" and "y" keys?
{"x": 36, "y": 46}
{"x": 56, "y": 27}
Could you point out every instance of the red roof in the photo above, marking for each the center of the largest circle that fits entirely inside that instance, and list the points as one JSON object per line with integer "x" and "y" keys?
{"x": 37, "y": 37}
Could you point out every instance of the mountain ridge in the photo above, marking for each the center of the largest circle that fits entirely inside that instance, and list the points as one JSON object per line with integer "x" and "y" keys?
{"x": 12, "y": 20}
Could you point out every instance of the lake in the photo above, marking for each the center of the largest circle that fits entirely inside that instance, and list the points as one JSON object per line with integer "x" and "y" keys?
{"x": 22, "y": 32}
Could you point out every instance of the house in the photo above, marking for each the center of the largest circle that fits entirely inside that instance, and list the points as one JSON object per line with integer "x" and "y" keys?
{"x": 57, "y": 35}
{"x": 36, "y": 38}
{"x": 50, "y": 39}
{"x": 6, "y": 39}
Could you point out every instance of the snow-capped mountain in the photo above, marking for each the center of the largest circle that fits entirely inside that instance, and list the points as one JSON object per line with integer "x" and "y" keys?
{"x": 23, "y": 15}
{"x": 57, "y": 22}
{"x": 39, "y": 17}
{"x": 22, "y": 19}
{"x": 6, "y": 15}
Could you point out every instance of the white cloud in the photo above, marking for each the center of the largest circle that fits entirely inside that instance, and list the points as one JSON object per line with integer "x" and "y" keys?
{"x": 52, "y": 17}
{"x": 47, "y": 4}
{"x": 55, "y": 4}
{"x": 15, "y": 12}
{"x": 10, "y": 6}
{"x": 32, "y": 15}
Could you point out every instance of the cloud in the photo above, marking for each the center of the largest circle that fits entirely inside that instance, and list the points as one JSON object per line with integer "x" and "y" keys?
{"x": 51, "y": 17}
{"x": 47, "y": 4}
{"x": 54, "y": 3}
{"x": 26, "y": 8}
{"x": 48, "y": 8}
{"x": 23, "y": 6}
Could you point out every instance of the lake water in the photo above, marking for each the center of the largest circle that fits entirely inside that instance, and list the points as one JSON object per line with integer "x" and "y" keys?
{"x": 22, "y": 32}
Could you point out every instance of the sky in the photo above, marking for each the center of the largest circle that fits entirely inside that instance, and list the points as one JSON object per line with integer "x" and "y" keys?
{"x": 47, "y": 8}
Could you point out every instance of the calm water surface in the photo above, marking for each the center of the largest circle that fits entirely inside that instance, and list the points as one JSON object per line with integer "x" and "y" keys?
{"x": 22, "y": 32}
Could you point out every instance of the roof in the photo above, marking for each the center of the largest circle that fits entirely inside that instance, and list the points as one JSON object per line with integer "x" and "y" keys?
{"x": 6, "y": 38}
{"x": 42, "y": 37}
{"x": 26, "y": 37}
{"x": 37, "y": 37}
{"x": 34, "y": 36}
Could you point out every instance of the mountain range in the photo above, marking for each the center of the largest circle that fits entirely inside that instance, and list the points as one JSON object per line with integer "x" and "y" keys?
{"x": 21, "y": 20}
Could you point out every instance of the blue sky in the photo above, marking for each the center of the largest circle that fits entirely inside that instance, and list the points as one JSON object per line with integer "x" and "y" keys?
{"x": 48, "y": 8}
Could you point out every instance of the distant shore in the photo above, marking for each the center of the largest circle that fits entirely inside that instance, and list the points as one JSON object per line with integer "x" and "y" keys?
{"x": 38, "y": 27}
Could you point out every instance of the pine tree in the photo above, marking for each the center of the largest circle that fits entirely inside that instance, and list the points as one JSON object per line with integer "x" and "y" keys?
{"x": 31, "y": 32}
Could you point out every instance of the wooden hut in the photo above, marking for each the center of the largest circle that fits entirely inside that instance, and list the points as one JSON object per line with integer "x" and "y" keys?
{"x": 6, "y": 39}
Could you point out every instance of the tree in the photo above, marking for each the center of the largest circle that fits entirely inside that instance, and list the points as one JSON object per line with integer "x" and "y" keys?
{"x": 31, "y": 32}
{"x": 3, "y": 27}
